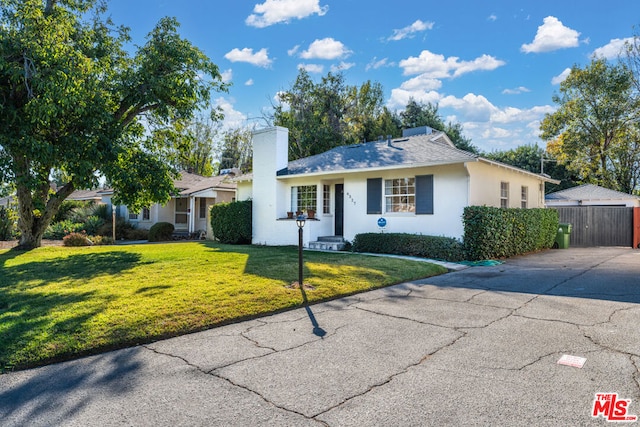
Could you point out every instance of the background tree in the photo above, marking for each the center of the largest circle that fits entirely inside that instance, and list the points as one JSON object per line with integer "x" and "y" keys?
{"x": 236, "y": 150}
{"x": 192, "y": 143}
{"x": 529, "y": 157}
{"x": 73, "y": 100}
{"x": 327, "y": 114}
{"x": 418, "y": 114}
{"x": 594, "y": 132}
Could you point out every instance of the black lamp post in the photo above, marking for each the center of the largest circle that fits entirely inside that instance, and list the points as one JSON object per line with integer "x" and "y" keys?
{"x": 300, "y": 223}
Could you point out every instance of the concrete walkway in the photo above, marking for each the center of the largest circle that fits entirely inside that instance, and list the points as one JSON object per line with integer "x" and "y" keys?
{"x": 478, "y": 346}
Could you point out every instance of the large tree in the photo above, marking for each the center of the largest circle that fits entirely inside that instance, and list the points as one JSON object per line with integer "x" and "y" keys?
{"x": 74, "y": 100}
{"x": 236, "y": 150}
{"x": 594, "y": 131}
{"x": 535, "y": 159}
{"x": 417, "y": 114}
{"x": 327, "y": 114}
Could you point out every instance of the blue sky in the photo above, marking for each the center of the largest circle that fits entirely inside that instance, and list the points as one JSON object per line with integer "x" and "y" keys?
{"x": 492, "y": 66}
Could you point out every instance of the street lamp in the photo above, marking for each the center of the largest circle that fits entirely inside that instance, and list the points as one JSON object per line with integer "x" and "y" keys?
{"x": 300, "y": 223}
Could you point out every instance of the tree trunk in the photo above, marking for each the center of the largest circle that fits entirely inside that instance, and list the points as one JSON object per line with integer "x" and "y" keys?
{"x": 32, "y": 226}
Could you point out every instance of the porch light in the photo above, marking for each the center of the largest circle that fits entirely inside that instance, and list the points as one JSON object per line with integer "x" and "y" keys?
{"x": 300, "y": 223}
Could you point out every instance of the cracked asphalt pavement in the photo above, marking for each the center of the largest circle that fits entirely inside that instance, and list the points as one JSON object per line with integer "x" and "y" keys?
{"x": 478, "y": 346}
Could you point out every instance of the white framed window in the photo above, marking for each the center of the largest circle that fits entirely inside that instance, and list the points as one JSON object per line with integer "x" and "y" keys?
{"x": 524, "y": 197}
{"x": 304, "y": 197}
{"x": 146, "y": 214}
{"x": 133, "y": 216}
{"x": 326, "y": 199}
{"x": 504, "y": 194}
{"x": 400, "y": 195}
{"x": 202, "y": 208}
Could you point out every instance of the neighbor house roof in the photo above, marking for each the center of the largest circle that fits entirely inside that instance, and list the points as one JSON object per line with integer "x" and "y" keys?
{"x": 412, "y": 151}
{"x": 589, "y": 192}
{"x": 85, "y": 195}
{"x": 190, "y": 183}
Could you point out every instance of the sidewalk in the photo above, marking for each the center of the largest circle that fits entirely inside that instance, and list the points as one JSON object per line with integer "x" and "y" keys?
{"x": 478, "y": 346}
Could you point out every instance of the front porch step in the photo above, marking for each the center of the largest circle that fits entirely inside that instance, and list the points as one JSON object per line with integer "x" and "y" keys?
{"x": 328, "y": 243}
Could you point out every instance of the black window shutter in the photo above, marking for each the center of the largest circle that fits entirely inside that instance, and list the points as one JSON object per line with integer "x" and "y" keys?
{"x": 374, "y": 196}
{"x": 424, "y": 195}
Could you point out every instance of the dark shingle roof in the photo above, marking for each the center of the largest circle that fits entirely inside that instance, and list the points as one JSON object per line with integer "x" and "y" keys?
{"x": 589, "y": 192}
{"x": 420, "y": 150}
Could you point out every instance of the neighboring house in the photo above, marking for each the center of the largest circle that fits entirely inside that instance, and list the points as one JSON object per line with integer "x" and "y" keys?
{"x": 419, "y": 183}
{"x": 591, "y": 195}
{"x": 86, "y": 196}
{"x": 598, "y": 216}
{"x": 188, "y": 210}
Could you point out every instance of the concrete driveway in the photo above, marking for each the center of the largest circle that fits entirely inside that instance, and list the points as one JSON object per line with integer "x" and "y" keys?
{"x": 474, "y": 347}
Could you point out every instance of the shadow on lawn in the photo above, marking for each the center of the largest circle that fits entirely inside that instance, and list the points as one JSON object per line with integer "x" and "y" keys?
{"x": 27, "y": 306}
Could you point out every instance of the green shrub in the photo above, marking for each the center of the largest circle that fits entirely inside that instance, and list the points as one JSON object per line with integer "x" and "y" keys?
{"x": 66, "y": 210}
{"x": 7, "y": 223}
{"x": 136, "y": 234}
{"x": 491, "y": 232}
{"x": 58, "y": 230}
{"x": 101, "y": 240}
{"x": 434, "y": 247}
{"x": 231, "y": 222}
{"x": 123, "y": 229}
{"x": 92, "y": 224}
{"x": 76, "y": 239}
{"x": 161, "y": 231}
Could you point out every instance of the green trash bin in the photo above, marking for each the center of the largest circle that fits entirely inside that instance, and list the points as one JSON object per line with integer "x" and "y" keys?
{"x": 562, "y": 236}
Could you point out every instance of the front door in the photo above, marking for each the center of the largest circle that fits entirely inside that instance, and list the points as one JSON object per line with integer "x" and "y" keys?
{"x": 339, "y": 216}
{"x": 182, "y": 214}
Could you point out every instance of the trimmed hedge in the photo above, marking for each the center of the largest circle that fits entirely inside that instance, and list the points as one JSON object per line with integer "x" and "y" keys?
{"x": 491, "y": 232}
{"x": 231, "y": 222}
{"x": 434, "y": 247}
{"x": 161, "y": 231}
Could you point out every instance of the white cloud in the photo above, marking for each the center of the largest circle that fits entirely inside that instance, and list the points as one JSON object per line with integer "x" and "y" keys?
{"x": 312, "y": 68}
{"x": 421, "y": 82}
{"x": 410, "y": 30}
{"x": 342, "y": 66}
{"x": 227, "y": 75}
{"x": 259, "y": 59}
{"x": 293, "y": 50}
{"x": 327, "y": 48}
{"x": 283, "y": 11}
{"x": 436, "y": 66}
{"x": 560, "y": 77}
{"x": 400, "y": 97}
{"x": 516, "y": 91}
{"x": 375, "y": 64}
{"x": 492, "y": 17}
{"x": 232, "y": 117}
{"x": 552, "y": 35}
{"x": 613, "y": 49}
{"x": 249, "y": 82}
{"x": 475, "y": 108}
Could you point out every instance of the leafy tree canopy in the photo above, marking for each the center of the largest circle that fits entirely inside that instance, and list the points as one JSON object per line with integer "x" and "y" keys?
{"x": 74, "y": 100}
{"x": 534, "y": 159}
{"x": 594, "y": 131}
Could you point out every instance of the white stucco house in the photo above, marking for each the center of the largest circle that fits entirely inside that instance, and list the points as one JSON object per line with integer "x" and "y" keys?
{"x": 188, "y": 210}
{"x": 419, "y": 183}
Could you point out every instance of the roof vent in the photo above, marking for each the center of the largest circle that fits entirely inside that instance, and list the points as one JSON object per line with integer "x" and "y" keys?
{"x": 422, "y": 130}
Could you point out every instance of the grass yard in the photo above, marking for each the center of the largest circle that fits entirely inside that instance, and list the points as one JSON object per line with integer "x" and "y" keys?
{"x": 58, "y": 303}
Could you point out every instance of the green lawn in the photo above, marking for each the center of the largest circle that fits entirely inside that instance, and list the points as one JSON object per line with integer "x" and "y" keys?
{"x": 57, "y": 303}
